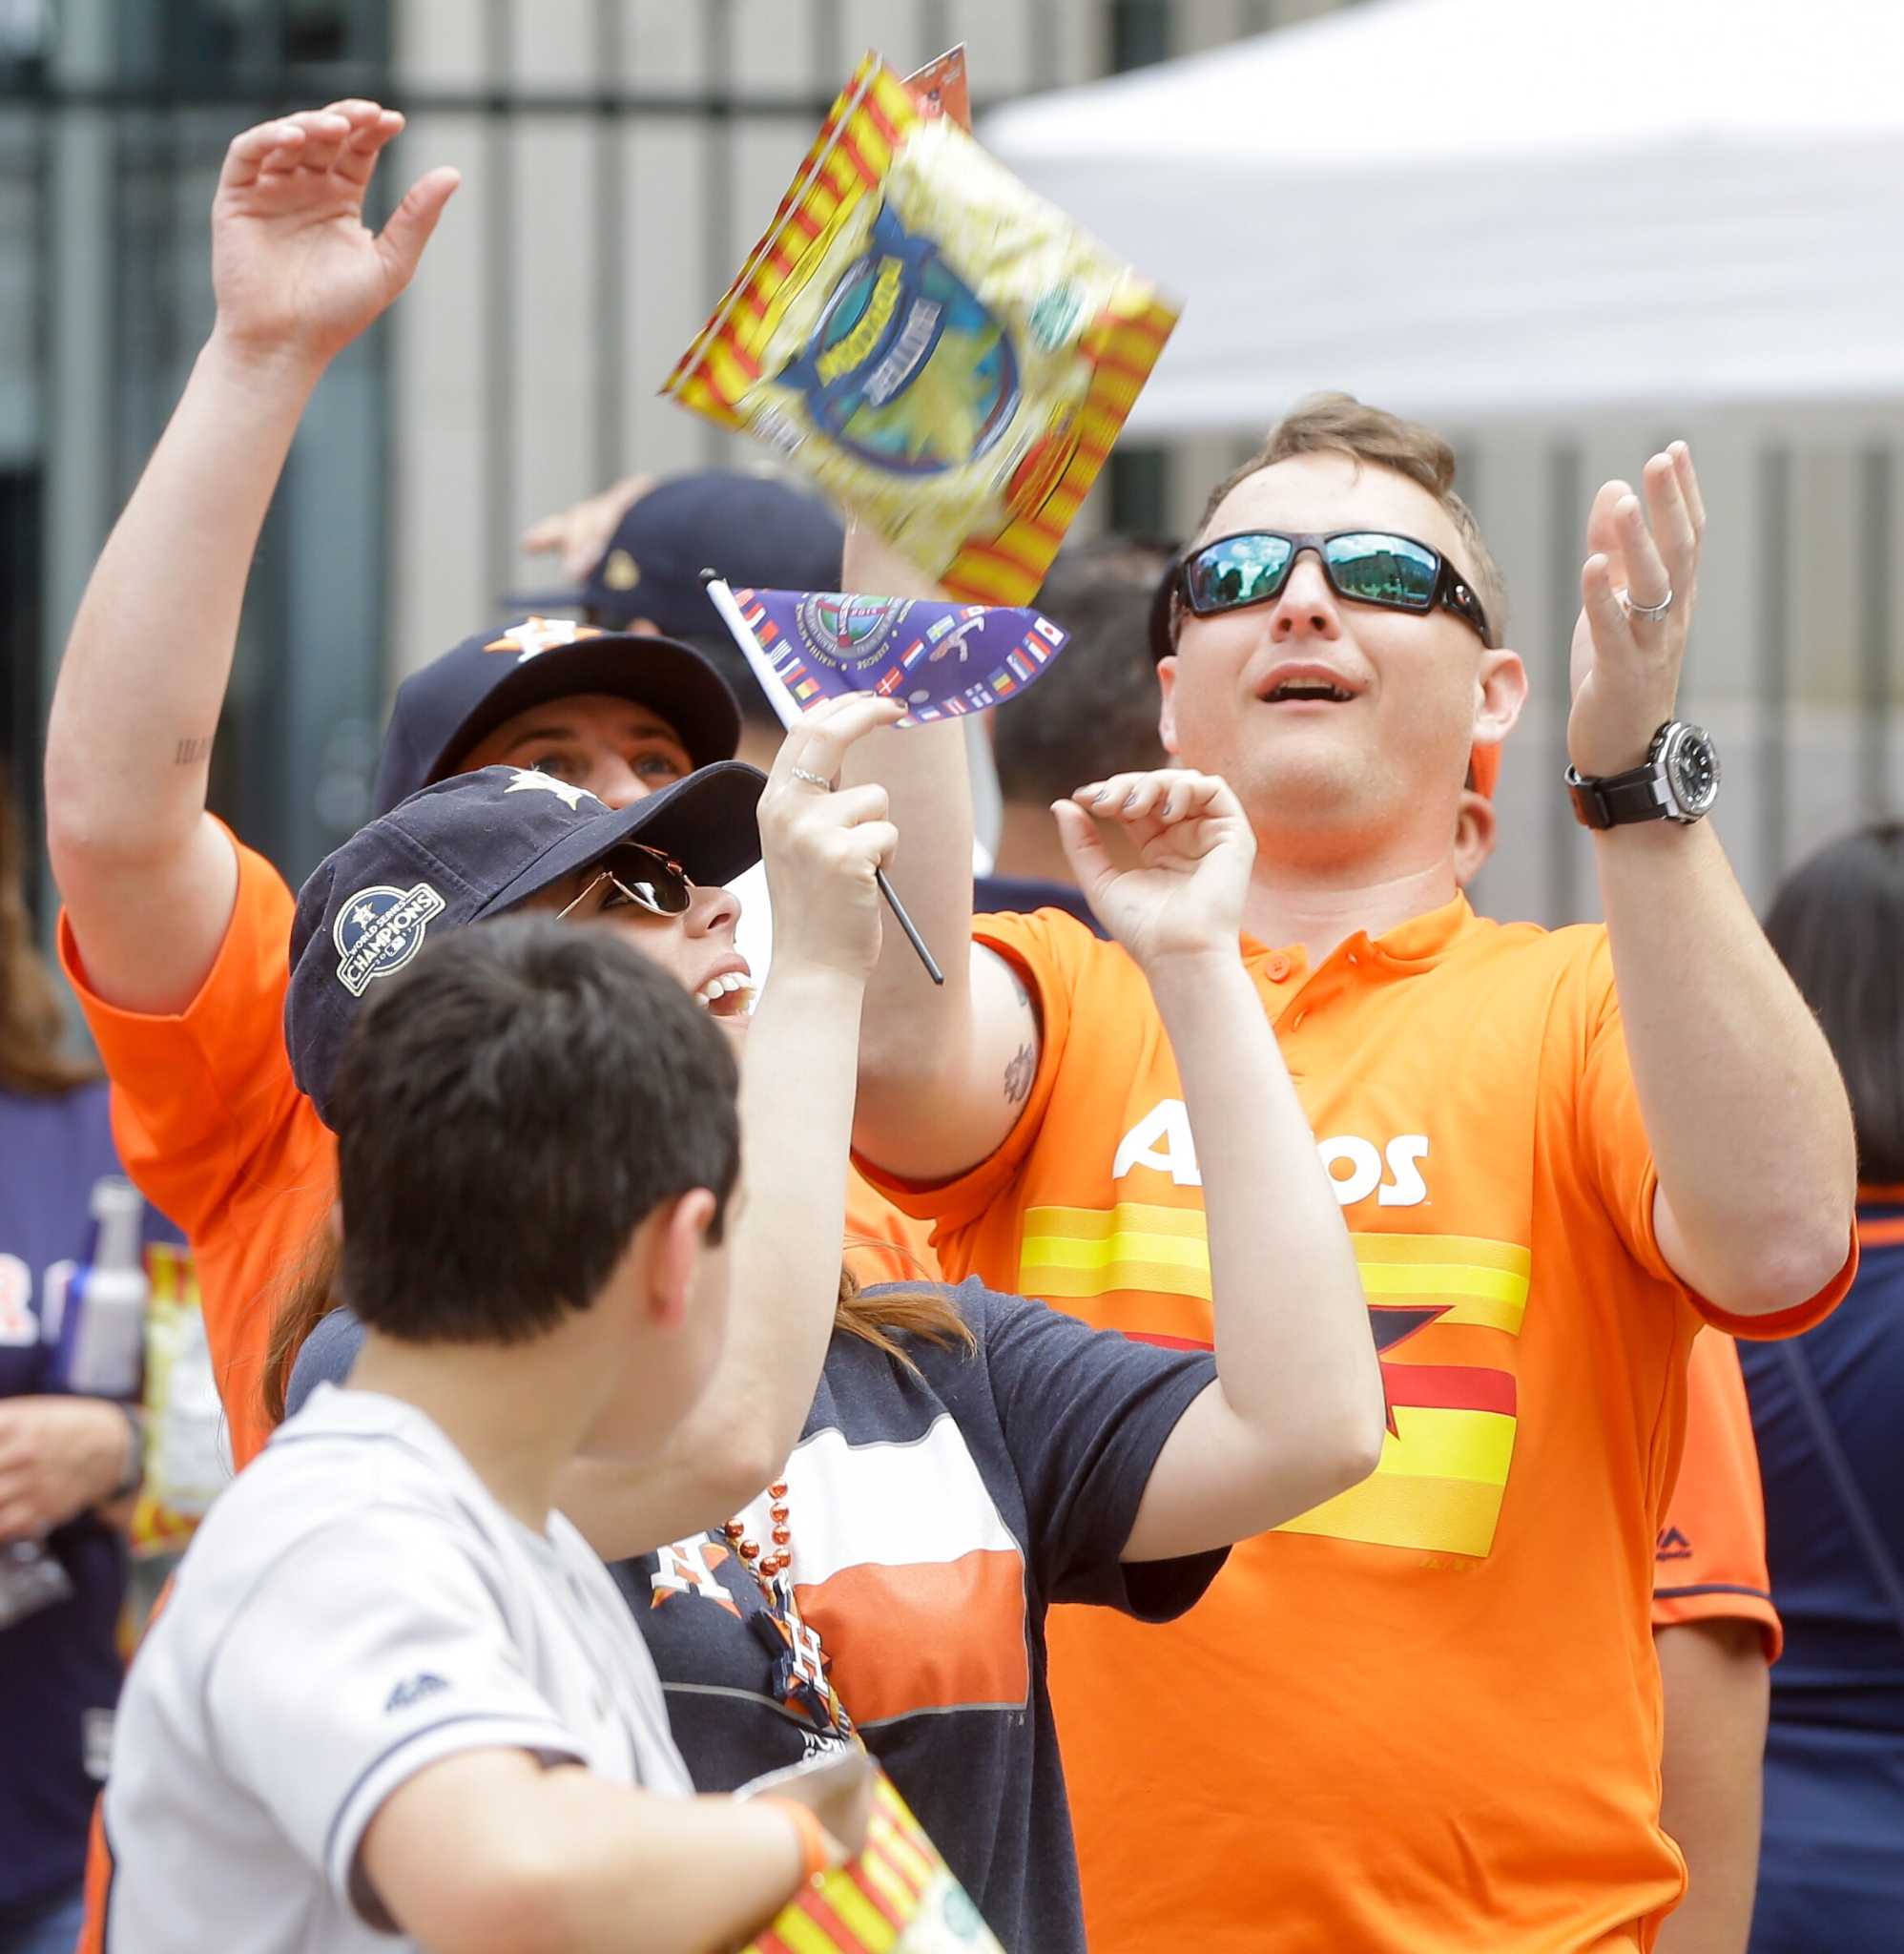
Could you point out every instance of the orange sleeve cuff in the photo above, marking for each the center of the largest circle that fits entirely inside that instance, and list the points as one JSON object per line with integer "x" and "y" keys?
{"x": 1786, "y": 1323}
{"x": 1720, "y": 1601}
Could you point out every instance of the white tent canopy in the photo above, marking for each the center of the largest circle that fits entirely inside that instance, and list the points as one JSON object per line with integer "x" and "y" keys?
{"x": 1483, "y": 208}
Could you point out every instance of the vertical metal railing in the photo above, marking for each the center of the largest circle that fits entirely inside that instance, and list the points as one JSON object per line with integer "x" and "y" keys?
{"x": 612, "y": 221}
{"x": 153, "y": 127}
{"x": 1877, "y": 477}
{"x": 1566, "y": 520}
{"x": 1773, "y": 662}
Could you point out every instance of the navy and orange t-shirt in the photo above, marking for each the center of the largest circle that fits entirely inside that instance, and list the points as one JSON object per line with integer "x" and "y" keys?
{"x": 1425, "y": 1714}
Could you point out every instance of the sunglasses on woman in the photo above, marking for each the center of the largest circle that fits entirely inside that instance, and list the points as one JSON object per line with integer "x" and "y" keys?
{"x": 643, "y": 876}
{"x": 1365, "y": 566}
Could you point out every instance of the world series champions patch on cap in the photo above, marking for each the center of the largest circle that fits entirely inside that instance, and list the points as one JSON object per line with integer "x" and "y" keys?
{"x": 379, "y": 930}
{"x": 476, "y": 845}
{"x": 937, "y": 347}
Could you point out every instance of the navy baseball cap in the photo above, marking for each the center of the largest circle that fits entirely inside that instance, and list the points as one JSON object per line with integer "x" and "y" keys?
{"x": 471, "y": 847}
{"x": 457, "y": 700}
{"x": 760, "y": 533}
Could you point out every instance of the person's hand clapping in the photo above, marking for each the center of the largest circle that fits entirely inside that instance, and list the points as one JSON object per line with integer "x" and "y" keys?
{"x": 1196, "y": 852}
{"x": 295, "y": 274}
{"x": 821, "y": 845}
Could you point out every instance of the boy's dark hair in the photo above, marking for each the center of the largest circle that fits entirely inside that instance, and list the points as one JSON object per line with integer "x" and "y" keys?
{"x": 509, "y": 1108}
{"x": 1095, "y": 711}
{"x": 1837, "y": 922}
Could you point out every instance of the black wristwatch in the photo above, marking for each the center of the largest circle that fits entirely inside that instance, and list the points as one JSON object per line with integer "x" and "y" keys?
{"x": 1678, "y": 782}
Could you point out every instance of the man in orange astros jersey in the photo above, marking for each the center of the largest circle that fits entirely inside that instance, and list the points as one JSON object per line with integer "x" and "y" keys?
{"x": 1714, "y": 1625}
{"x": 1424, "y": 1717}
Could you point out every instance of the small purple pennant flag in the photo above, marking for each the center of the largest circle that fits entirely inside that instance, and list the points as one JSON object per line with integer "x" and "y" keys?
{"x": 940, "y": 660}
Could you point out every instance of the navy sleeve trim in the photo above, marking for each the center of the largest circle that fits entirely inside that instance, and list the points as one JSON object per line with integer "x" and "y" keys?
{"x": 1709, "y": 1588}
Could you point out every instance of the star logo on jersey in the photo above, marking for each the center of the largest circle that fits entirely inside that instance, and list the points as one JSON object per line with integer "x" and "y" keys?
{"x": 799, "y": 1663}
{"x": 534, "y": 635}
{"x": 689, "y": 1567}
{"x": 1394, "y": 1323}
{"x": 532, "y": 780}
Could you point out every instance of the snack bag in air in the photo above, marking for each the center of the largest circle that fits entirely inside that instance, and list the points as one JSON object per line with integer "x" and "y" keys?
{"x": 940, "y": 350}
{"x": 940, "y": 89}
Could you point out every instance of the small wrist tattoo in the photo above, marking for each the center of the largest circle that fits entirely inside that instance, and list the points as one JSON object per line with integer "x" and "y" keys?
{"x": 188, "y": 753}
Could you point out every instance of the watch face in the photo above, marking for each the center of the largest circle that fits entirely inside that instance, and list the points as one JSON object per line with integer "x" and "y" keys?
{"x": 1692, "y": 770}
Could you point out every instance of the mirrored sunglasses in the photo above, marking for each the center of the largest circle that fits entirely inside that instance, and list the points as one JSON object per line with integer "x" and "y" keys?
{"x": 636, "y": 874}
{"x": 1365, "y": 566}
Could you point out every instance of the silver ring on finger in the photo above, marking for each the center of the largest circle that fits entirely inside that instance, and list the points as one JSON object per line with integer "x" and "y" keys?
{"x": 812, "y": 778}
{"x": 1651, "y": 613}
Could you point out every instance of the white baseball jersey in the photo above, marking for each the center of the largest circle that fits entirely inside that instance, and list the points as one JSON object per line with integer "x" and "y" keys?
{"x": 356, "y": 1606}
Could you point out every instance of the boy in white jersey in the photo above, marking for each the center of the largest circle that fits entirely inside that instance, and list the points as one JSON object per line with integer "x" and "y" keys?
{"x": 364, "y": 1710}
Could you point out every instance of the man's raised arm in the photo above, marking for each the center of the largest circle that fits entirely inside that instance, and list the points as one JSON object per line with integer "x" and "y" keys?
{"x": 939, "y": 1067}
{"x": 147, "y": 879}
{"x": 1745, "y": 1112}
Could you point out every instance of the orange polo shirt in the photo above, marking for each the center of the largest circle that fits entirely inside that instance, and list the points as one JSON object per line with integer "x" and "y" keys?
{"x": 1709, "y": 1561}
{"x": 1426, "y": 1714}
{"x": 211, "y": 1128}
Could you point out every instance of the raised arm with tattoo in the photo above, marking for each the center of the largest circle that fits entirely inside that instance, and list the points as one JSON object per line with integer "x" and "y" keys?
{"x": 147, "y": 879}
{"x": 1743, "y": 1108}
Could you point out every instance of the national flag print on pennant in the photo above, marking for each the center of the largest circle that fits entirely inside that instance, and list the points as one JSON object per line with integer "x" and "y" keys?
{"x": 937, "y": 658}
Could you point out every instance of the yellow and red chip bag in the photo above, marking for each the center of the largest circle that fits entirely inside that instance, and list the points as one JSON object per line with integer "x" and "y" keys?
{"x": 940, "y": 349}
{"x": 895, "y": 1896}
{"x": 938, "y": 88}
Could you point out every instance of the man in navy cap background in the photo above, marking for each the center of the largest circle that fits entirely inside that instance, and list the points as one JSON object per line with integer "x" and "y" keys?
{"x": 633, "y": 555}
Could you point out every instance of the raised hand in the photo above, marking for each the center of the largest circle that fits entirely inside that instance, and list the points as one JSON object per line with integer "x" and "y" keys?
{"x": 821, "y": 845}
{"x": 1626, "y": 666}
{"x": 293, "y": 270}
{"x": 580, "y": 533}
{"x": 1196, "y": 849}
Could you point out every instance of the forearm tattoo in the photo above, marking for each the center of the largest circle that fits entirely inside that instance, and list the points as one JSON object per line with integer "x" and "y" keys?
{"x": 188, "y": 753}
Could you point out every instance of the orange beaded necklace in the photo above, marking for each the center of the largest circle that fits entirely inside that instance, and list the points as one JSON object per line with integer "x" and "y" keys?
{"x": 800, "y": 1664}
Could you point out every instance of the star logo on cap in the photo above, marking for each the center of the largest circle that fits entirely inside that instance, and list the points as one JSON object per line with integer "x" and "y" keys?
{"x": 532, "y": 780}
{"x": 534, "y": 635}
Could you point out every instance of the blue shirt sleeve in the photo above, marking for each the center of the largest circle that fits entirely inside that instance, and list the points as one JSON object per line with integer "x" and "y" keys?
{"x": 1084, "y": 1414}
{"x": 328, "y": 1354}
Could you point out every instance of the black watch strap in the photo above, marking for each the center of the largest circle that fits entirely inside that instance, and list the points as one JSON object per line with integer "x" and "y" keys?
{"x": 1617, "y": 799}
